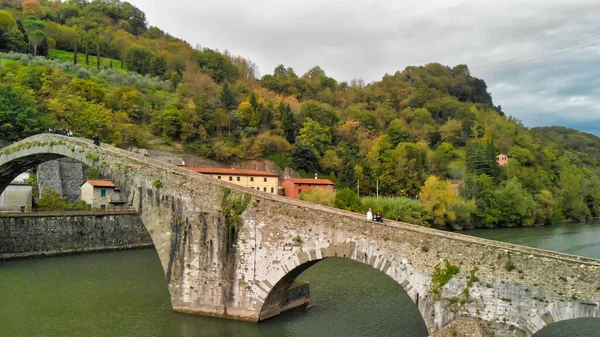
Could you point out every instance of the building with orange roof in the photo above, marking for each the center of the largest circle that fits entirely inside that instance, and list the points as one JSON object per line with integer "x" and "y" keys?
{"x": 502, "y": 159}
{"x": 256, "y": 179}
{"x": 101, "y": 193}
{"x": 293, "y": 187}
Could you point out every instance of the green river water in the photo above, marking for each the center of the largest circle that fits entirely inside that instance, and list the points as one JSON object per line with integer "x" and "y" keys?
{"x": 125, "y": 294}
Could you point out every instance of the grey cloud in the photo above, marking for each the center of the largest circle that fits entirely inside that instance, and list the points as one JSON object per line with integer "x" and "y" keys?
{"x": 366, "y": 39}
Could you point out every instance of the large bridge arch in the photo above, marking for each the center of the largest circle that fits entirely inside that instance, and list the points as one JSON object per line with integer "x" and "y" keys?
{"x": 368, "y": 253}
{"x": 225, "y": 261}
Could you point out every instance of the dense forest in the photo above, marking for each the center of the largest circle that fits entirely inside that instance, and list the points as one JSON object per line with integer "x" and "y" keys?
{"x": 429, "y": 135}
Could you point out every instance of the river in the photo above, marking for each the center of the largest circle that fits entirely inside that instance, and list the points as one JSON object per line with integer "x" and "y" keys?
{"x": 125, "y": 294}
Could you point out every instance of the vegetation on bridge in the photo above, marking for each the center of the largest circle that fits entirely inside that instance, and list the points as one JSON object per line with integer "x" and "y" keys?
{"x": 430, "y": 132}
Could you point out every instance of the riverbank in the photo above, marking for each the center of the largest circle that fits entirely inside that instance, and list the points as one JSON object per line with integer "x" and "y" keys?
{"x": 35, "y": 235}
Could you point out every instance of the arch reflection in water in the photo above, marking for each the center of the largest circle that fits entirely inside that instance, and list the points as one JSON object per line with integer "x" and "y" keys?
{"x": 581, "y": 327}
{"x": 125, "y": 294}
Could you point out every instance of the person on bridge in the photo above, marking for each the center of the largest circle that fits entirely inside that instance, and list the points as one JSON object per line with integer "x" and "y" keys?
{"x": 370, "y": 215}
{"x": 378, "y": 217}
{"x": 96, "y": 140}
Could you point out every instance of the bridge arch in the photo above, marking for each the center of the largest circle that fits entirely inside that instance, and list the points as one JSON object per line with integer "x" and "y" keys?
{"x": 281, "y": 279}
{"x": 562, "y": 311}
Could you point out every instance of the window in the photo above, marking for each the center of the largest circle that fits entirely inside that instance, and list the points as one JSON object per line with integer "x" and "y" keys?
{"x": 265, "y": 189}
{"x": 328, "y": 187}
{"x": 219, "y": 177}
{"x": 299, "y": 191}
{"x": 238, "y": 178}
{"x": 272, "y": 190}
{"x": 102, "y": 207}
{"x": 102, "y": 193}
{"x": 265, "y": 180}
{"x": 251, "y": 178}
{"x": 230, "y": 178}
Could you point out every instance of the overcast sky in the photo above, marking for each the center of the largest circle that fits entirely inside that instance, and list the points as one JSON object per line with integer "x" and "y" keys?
{"x": 365, "y": 39}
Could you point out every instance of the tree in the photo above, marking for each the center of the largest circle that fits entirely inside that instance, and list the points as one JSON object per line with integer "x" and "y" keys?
{"x": 138, "y": 59}
{"x": 440, "y": 201}
{"x": 19, "y": 117}
{"x": 228, "y": 100}
{"x": 158, "y": 65}
{"x": 289, "y": 122}
{"x": 305, "y": 157}
{"x": 518, "y": 206}
{"x": 13, "y": 40}
{"x": 7, "y": 22}
{"x": 348, "y": 200}
{"x": 33, "y": 7}
{"x": 315, "y": 134}
{"x": 398, "y": 132}
{"x": 216, "y": 65}
{"x": 50, "y": 199}
{"x": 450, "y": 131}
{"x": 547, "y": 208}
{"x": 35, "y": 40}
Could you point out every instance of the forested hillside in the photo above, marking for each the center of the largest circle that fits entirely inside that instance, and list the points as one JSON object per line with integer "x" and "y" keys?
{"x": 417, "y": 131}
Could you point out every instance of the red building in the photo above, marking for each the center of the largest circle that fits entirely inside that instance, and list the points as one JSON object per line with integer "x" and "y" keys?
{"x": 292, "y": 187}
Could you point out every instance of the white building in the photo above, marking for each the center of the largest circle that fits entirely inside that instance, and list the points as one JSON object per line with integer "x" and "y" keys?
{"x": 18, "y": 195}
{"x": 101, "y": 194}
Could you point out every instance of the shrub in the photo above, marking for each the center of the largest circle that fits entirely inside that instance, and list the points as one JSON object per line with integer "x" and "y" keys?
{"x": 348, "y": 200}
{"x": 318, "y": 196}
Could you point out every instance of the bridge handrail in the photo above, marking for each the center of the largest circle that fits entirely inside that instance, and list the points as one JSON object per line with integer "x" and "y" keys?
{"x": 147, "y": 161}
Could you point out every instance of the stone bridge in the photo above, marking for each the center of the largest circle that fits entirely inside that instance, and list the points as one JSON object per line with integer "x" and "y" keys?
{"x": 233, "y": 252}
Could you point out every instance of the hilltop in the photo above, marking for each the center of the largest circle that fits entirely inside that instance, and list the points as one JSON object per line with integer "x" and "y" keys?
{"x": 415, "y": 131}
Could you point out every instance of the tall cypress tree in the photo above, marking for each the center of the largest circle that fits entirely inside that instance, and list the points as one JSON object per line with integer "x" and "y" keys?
{"x": 289, "y": 123}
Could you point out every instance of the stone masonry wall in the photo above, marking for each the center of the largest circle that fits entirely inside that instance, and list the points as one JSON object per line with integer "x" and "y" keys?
{"x": 64, "y": 175}
{"x": 31, "y": 236}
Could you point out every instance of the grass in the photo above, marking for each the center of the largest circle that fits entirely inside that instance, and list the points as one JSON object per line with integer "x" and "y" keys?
{"x": 67, "y": 56}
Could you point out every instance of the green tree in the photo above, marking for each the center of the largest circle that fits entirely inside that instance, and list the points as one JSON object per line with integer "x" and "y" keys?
{"x": 50, "y": 199}
{"x": 518, "y": 206}
{"x": 7, "y": 22}
{"x": 398, "y": 132}
{"x": 19, "y": 117}
{"x": 138, "y": 59}
{"x": 158, "y": 65}
{"x": 317, "y": 135}
{"x": 348, "y": 200}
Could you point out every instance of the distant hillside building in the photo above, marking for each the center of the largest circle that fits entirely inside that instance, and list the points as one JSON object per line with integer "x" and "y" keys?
{"x": 502, "y": 159}
{"x": 293, "y": 187}
{"x": 101, "y": 194}
{"x": 18, "y": 195}
{"x": 255, "y": 179}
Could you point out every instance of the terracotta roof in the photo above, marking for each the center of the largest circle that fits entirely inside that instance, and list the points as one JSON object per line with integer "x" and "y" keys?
{"x": 310, "y": 181}
{"x": 101, "y": 183}
{"x": 230, "y": 171}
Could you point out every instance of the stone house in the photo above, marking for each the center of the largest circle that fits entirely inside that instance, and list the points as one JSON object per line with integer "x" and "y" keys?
{"x": 293, "y": 187}
{"x": 18, "y": 195}
{"x": 255, "y": 179}
{"x": 101, "y": 194}
{"x": 502, "y": 159}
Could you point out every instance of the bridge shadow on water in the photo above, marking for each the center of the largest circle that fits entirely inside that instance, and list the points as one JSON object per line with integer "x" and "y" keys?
{"x": 581, "y": 327}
